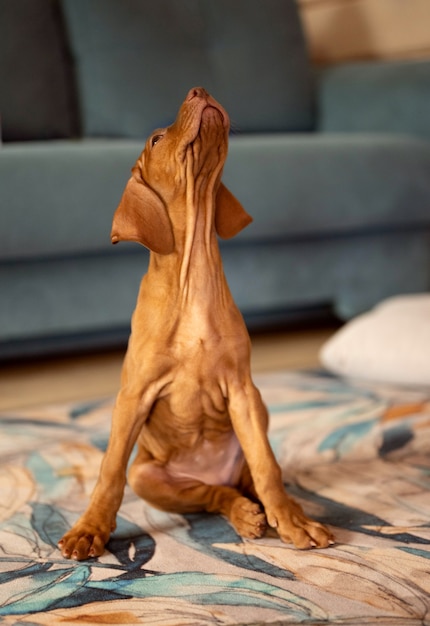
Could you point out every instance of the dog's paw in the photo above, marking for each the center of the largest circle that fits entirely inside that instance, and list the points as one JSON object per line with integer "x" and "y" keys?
{"x": 247, "y": 518}
{"x": 293, "y": 526}
{"x": 83, "y": 541}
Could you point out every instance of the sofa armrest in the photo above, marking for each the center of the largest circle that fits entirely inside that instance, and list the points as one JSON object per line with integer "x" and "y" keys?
{"x": 375, "y": 96}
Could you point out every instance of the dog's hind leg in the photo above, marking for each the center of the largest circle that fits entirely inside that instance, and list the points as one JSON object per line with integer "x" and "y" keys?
{"x": 152, "y": 482}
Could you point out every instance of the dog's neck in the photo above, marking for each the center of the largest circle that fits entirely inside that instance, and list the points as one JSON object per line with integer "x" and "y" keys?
{"x": 195, "y": 265}
{"x": 192, "y": 276}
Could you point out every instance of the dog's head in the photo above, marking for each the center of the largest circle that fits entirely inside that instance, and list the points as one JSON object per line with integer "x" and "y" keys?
{"x": 189, "y": 154}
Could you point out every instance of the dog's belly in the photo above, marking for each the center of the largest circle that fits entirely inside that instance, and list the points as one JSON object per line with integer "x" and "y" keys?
{"x": 213, "y": 462}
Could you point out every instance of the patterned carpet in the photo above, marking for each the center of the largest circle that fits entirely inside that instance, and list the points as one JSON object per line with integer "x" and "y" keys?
{"x": 357, "y": 460}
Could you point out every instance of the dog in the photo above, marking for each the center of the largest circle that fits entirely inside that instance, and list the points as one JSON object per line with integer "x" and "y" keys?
{"x": 186, "y": 395}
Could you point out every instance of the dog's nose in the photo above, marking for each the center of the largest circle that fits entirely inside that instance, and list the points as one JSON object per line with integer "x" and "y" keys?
{"x": 197, "y": 92}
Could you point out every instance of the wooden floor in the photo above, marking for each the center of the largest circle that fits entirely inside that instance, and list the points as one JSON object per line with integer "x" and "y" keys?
{"x": 97, "y": 375}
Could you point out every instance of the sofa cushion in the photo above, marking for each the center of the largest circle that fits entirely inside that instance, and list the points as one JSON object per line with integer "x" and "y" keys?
{"x": 37, "y": 94}
{"x": 137, "y": 59}
{"x": 390, "y": 344}
{"x": 61, "y": 195}
{"x": 328, "y": 185}
{"x": 376, "y": 97}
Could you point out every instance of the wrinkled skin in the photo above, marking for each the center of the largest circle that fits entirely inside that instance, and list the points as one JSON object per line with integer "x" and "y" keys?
{"x": 186, "y": 393}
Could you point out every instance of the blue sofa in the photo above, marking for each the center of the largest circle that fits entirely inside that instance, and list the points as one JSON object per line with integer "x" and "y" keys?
{"x": 334, "y": 164}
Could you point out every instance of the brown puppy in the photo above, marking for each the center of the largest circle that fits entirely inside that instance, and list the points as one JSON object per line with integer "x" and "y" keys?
{"x": 186, "y": 392}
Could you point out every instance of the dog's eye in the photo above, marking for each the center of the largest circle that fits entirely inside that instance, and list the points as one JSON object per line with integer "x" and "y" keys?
{"x": 155, "y": 139}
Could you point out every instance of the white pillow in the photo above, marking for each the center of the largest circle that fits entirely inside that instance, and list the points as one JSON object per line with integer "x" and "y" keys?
{"x": 389, "y": 345}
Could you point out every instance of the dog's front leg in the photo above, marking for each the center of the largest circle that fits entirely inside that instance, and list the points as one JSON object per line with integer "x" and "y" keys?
{"x": 250, "y": 419}
{"x": 91, "y": 532}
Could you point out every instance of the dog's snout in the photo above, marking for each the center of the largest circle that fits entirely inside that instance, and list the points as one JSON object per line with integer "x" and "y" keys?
{"x": 197, "y": 92}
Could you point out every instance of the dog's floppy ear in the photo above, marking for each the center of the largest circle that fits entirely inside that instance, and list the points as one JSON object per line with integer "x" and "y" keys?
{"x": 230, "y": 216}
{"x": 142, "y": 217}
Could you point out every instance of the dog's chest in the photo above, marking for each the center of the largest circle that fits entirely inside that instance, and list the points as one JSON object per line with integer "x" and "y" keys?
{"x": 190, "y": 426}
{"x": 196, "y": 396}
{"x": 203, "y": 362}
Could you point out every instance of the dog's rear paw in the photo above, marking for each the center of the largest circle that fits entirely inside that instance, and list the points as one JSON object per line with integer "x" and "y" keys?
{"x": 83, "y": 542}
{"x": 247, "y": 518}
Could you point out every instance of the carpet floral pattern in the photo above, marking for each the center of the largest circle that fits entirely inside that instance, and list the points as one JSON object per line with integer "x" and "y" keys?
{"x": 358, "y": 460}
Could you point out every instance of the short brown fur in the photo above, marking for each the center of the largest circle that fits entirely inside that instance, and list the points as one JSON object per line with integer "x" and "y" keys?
{"x": 186, "y": 396}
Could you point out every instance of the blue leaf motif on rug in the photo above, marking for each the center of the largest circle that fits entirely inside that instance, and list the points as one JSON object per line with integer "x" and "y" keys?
{"x": 128, "y": 533}
{"x": 48, "y": 523}
{"x": 41, "y": 590}
{"x": 343, "y": 439}
{"x": 210, "y": 589}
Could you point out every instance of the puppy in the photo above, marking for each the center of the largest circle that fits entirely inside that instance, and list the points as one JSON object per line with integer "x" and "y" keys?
{"x": 186, "y": 396}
